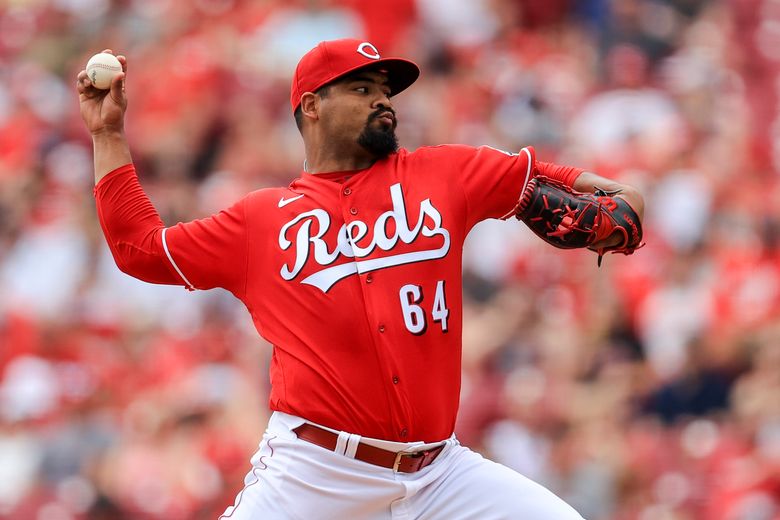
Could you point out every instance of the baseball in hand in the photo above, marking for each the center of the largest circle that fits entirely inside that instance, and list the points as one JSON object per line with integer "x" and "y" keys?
{"x": 102, "y": 68}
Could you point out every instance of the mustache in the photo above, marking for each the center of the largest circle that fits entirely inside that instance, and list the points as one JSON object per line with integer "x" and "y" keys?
{"x": 381, "y": 112}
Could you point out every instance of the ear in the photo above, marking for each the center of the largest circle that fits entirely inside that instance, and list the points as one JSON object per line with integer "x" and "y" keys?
{"x": 310, "y": 105}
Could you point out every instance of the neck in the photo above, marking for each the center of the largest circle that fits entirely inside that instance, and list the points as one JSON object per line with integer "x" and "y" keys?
{"x": 336, "y": 166}
{"x": 329, "y": 162}
{"x": 325, "y": 155}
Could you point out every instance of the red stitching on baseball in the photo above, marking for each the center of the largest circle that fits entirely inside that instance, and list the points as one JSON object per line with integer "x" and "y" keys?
{"x": 104, "y": 66}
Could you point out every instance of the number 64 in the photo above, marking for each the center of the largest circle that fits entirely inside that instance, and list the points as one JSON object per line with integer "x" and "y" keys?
{"x": 414, "y": 316}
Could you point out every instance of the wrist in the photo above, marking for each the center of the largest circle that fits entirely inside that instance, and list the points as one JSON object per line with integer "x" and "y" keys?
{"x": 108, "y": 134}
{"x": 110, "y": 150}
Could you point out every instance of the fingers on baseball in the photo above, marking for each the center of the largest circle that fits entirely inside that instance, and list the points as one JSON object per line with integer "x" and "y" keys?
{"x": 118, "y": 88}
{"x": 118, "y": 83}
{"x": 83, "y": 84}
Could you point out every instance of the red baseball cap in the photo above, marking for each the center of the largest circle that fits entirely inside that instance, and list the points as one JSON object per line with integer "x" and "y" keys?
{"x": 330, "y": 60}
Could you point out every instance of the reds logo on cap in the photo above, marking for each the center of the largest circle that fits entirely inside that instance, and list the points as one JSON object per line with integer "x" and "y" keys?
{"x": 362, "y": 50}
{"x": 330, "y": 60}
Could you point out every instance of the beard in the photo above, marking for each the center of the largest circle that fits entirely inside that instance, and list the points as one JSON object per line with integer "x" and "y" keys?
{"x": 379, "y": 141}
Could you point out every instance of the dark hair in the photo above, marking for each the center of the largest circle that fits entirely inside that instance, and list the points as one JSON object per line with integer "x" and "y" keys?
{"x": 298, "y": 114}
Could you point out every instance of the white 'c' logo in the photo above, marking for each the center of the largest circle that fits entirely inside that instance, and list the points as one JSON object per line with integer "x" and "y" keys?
{"x": 362, "y": 50}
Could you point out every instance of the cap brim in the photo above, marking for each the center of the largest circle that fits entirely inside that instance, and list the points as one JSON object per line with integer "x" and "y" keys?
{"x": 401, "y": 73}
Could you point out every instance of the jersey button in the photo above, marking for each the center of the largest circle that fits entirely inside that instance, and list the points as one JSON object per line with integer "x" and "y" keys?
{"x": 404, "y": 433}
{"x": 369, "y": 278}
{"x": 353, "y": 211}
{"x": 381, "y": 328}
{"x": 347, "y": 191}
{"x": 395, "y": 380}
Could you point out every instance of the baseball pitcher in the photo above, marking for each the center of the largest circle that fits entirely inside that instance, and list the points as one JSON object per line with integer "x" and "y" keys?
{"x": 353, "y": 273}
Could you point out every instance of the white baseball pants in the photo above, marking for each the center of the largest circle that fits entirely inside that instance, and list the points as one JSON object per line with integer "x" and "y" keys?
{"x": 292, "y": 479}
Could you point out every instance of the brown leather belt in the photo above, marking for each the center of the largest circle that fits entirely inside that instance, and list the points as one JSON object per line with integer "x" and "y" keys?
{"x": 397, "y": 461}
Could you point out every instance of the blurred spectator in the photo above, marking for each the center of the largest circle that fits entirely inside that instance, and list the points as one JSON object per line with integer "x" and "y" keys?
{"x": 643, "y": 390}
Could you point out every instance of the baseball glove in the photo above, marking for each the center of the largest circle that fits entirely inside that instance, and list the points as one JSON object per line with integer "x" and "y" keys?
{"x": 568, "y": 219}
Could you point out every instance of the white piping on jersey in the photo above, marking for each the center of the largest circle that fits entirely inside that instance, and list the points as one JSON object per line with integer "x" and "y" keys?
{"x": 528, "y": 170}
{"x": 170, "y": 258}
{"x": 525, "y": 182}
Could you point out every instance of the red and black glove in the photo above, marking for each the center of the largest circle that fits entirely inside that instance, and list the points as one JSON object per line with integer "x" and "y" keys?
{"x": 568, "y": 219}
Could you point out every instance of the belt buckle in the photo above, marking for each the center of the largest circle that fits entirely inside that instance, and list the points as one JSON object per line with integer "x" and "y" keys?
{"x": 401, "y": 454}
{"x": 397, "y": 461}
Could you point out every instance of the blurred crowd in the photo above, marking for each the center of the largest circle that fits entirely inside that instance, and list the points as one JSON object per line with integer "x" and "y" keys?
{"x": 647, "y": 389}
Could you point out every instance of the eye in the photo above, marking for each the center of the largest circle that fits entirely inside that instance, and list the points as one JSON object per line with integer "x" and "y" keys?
{"x": 362, "y": 90}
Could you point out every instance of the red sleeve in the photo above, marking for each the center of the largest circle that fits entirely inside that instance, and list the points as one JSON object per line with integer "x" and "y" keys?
{"x": 132, "y": 227}
{"x": 492, "y": 180}
{"x": 199, "y": 254}
{"x": 564, "y": 174}
{"x": 213, "y": 251}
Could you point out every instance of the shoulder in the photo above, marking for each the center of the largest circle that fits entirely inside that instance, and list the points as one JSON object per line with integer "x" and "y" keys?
{"x": 267, "y": 197}
{"x": 266, "y": 194}
{"x": 439, "y": 154}
{"x": 437, "y": 151}
{"x": 462, "y": 151}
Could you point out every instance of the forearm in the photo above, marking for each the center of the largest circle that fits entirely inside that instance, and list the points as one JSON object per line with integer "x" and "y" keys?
{"x": 110, "y": 151}
{"x": 587, "y": 182}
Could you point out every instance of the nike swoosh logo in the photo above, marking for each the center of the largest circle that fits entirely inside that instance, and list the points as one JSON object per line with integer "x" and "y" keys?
{"x": 283, "y": 202}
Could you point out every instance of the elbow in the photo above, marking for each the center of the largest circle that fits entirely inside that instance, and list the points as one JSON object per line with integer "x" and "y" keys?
{"x": 138, "y": 263}
{"x": 131, "y": 264}
{"x": 127, "y": 265}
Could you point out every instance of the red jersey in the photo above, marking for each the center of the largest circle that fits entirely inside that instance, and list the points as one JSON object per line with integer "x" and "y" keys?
{"x": 354, "y": 277}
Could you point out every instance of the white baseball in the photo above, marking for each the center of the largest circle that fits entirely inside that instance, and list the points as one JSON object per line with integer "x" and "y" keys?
{"x": 102, "y": 68}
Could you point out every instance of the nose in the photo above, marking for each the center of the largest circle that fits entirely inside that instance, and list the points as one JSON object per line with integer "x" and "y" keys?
{"x": 383, "y": 101}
